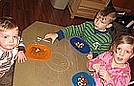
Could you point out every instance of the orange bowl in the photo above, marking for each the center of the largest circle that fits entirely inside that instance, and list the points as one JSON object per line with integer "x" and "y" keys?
{"x": 38, "y": 52}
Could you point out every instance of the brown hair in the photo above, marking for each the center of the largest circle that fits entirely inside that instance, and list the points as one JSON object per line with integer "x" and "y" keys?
{"x": 108, "y": 11}
{"x": 123, "y": 39}
{"x": 7, "y": 23}
{"x": 111, "y": 15}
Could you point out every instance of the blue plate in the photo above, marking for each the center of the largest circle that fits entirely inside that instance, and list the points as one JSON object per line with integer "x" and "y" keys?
{"x": 88, "y": 77}
{"x": 84, "y": 50}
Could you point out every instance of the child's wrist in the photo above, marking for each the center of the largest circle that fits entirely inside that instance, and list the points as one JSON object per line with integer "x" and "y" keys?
{"x": 56, "y": 35}
{"x": 21, "y": 48}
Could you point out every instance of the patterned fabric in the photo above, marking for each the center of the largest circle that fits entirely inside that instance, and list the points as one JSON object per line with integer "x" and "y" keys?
{"x": 7, "y": 59}
{"x": 120, "y": 76}
{"x": 21, "y": 46}
{"x": 98, "y": 41}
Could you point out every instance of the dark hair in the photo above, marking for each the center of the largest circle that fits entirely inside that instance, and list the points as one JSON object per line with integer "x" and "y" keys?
{"x": 7, "y": 23}
{"x": 109, "y": 10}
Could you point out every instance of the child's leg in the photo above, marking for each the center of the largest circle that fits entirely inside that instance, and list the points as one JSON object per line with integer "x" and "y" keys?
{"x": 7, "y": 79}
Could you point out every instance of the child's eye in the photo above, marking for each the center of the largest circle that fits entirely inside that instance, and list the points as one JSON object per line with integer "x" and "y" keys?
{"x": 127, "y": 52}
{"x": 5, "y": 36}
{"x": 15, "y": 36}
{"x": 118, "y": 49}
{"x": 97, "y": 17}
{"x": 102, "y": 22}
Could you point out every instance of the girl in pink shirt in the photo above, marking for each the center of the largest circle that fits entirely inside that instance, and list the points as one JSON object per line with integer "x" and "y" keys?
{"x": 111, "y": 68}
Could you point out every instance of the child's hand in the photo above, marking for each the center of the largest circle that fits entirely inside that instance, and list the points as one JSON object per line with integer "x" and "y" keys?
{"x": 96, "y": 67}
{"x": 90, "y": 56}
{"x": 21, "y": 57}
{"x": 53, "y": 36}
{"x": 104, "y": 75}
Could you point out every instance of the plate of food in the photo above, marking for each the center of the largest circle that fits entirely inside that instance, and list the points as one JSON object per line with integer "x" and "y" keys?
{"x": 38, "y": 52}
{"x": 83, "y": 79}
{"x": 80, "y": 45}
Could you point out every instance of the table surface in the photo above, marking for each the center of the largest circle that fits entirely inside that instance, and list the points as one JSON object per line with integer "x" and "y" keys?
{"x": 58, "y": 69}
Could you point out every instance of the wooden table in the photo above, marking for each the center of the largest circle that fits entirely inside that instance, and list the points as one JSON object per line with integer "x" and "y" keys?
{"x": 58, "y": 69}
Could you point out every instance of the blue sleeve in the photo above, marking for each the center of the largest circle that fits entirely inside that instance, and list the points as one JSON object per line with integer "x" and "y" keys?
{"x": 95, "y": 55}
{"x": 60, "y": 35}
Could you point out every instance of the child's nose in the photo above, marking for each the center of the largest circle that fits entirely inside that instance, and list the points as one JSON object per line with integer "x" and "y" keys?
{"x": 11, "y": 39}
{"x": 121, "y": 53}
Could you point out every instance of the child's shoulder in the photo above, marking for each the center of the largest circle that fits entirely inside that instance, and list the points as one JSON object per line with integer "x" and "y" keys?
{"x": 90, "y": 22}
{"x": 106, "y": 54}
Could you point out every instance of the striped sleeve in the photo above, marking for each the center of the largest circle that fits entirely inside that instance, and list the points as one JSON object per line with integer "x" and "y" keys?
{"x": 21, "y": 46}
{"x": 74, "y": 30}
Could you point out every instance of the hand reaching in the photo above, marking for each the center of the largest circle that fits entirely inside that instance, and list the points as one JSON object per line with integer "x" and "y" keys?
{"x": 90, "y": 56}
{"x": 21, "y": 57}
{"x": 53, "y": 36}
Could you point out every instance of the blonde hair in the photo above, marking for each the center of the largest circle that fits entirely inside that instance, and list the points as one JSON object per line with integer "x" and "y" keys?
{"x": 7, "y": 23}
{"x": 123, "y": 39}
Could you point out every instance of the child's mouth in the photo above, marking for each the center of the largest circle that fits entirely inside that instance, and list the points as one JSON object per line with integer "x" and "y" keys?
{"x": 119, "y": 59}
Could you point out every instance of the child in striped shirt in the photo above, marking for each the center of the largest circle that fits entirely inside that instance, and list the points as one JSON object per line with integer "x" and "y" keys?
{"x": 93, "y": 32}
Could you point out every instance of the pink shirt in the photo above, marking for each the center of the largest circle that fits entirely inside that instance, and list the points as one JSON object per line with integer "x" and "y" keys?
{"x": 120, "y": 76}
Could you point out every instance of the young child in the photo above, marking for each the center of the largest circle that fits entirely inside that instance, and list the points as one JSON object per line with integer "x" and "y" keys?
{"x": 94, "y": 33}
{"x": 111, "y": 68}
{"x": 11, "y": 48}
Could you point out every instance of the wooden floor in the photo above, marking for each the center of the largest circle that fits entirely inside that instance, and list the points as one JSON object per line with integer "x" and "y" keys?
{"x": 25, "y": 12}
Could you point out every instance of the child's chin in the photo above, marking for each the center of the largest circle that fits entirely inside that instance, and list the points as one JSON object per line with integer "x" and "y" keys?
{"x": 10, "y": 48}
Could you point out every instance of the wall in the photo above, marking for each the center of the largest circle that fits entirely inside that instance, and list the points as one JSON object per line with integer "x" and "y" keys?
{"x": 129, "y": 4}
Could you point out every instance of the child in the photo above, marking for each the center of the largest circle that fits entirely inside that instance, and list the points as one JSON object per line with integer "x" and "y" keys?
{"x": 9, "y": 49}
{"x": 94, "y": 33}
{"x": 111, "y": 68}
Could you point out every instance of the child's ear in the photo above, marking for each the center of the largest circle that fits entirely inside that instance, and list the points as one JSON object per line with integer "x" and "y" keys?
{"x": 109, "y": 25}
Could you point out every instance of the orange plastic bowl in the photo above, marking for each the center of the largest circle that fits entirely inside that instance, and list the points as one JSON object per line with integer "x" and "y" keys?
{"x": 38, "y": 52}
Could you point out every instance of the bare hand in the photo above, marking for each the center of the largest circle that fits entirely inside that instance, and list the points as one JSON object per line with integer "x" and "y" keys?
{"x": 53, "y": 36}
{"x": 90, "y": 56}
{"x": 104, "y": 75}
{"x": 21, "y": 57}
{"x": 96, "y": 67}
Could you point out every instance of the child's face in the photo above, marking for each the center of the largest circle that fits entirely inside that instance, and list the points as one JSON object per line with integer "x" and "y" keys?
{"x": 9, "y": 39}
{"x": 123, "y": 53}
{"x": 102, "y": 22}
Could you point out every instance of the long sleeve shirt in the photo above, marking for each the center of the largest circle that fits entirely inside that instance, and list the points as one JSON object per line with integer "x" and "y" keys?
{"x": 119, "y": 76}
{"x": 98, "y": 41}
{"x": 7, "y": 58}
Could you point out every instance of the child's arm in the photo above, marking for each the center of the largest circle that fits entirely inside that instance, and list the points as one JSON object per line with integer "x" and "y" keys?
{"x": 21, "y": 50}
{"x": 94, "y": 64}
{"x": 73, "y": 30}
{"x": 21, "y": 57}
{"x": 119, "y": 80}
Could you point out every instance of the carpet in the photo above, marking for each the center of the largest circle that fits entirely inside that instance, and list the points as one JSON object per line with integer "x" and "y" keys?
{"x": 58, "y": 69}
{"x": 38, "y": 29}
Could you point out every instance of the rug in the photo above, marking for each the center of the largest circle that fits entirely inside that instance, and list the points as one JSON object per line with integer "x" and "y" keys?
{"x": 58, "y": 69}
{"x": 38, "y": 29}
